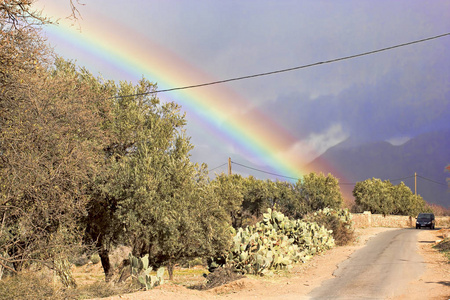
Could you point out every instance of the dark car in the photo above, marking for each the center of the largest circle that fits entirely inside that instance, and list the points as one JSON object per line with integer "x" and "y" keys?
{"x": 425, "y": 220}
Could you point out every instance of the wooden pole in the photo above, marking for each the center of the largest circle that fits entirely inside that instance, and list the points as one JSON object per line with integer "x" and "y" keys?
{"x": 415, "y": 183}
{"x": 229, "y": 165}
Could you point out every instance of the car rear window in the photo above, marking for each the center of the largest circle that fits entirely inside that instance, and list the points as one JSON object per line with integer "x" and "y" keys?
{"x": 425, "y": 216}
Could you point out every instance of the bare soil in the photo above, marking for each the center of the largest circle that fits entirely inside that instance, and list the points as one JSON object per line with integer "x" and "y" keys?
{"x": 302, "y": 279}
{"x": 435, "y": 282}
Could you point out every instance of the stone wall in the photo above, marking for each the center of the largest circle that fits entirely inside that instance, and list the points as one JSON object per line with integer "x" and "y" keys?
{"x": 367, "y": 219}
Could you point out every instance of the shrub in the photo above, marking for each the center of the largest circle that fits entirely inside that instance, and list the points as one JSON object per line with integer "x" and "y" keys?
{"x": 95, "y": 258}
{"x": 275, "y": 243}
{"x": 444, "y": 247}
{"x": 337, "y": 220}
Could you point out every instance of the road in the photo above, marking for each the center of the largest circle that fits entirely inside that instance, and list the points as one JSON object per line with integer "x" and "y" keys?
{"x": 380, "y": 270}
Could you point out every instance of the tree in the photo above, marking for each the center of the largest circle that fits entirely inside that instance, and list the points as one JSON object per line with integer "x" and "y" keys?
{"x": 229, "y": 190}
{"x": 406, "y": 203}
{"x": 151, "y": 196}
{"x": 384, "y": 198}
{"x": 374, "y": 195}
{"x": 18, "y": 14}
{"x": 51, "y": 142}
{"x": 287, "y": 199}
{"x": 257, "y": 198}
{"x": 50, "y": 149}
{"x": 318, "y": 191}
{"x": 403, "y": 199}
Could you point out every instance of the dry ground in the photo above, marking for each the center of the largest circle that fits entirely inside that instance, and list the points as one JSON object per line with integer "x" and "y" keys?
{"x": 296, "y": 284}
{"x": 435, "y": 282}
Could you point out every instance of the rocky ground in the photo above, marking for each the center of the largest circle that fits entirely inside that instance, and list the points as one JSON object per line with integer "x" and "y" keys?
{"x": 296, "y": 284}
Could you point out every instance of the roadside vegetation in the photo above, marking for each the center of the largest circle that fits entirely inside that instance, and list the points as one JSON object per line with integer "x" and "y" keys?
{"x": 444, "y": 247}
{"x": 89, "y": 166}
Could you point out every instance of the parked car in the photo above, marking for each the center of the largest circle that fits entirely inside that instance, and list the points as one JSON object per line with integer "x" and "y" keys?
{"x": 425, "y": 220}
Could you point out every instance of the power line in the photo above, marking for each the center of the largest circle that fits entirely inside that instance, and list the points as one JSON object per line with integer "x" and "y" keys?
{"x": 341, "y": 183}
{"x": 217, "y": 167}
{"x": 262, "y": 171}
{"x": 288, "y": 69}
{"x": 430, "y": 180}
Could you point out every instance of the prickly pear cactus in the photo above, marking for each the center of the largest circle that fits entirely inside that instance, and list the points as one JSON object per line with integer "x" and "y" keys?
{"x": 276, "y": 243}
{"x": 140, "y": 271}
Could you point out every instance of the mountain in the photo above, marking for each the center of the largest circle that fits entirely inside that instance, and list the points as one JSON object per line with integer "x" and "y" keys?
{"x": 427, "y": 155}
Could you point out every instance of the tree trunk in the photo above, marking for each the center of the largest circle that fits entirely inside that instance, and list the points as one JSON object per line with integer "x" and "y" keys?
{"x": 170, "y": 270}
{"x": 106, "y": 264}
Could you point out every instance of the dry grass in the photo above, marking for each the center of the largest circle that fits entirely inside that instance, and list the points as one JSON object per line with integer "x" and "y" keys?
{"x": 444, "y": 247}
{"x": 44, "y": 285}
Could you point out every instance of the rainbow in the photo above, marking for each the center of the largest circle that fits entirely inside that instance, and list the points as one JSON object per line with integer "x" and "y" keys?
{"x": 219, "y": 108}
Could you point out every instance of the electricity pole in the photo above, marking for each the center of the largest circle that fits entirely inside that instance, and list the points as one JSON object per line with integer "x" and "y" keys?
{"x": 415, "y": 183}
{"x": 229, "y": 165}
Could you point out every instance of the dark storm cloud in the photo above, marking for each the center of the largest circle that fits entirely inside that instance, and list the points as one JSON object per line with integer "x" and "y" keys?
{"x": 395, "y": 105}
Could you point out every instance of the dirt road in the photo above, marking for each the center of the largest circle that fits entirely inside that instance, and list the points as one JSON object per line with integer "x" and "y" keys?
{"x": 433, "y": 283}
{"x": 380, "y": 270}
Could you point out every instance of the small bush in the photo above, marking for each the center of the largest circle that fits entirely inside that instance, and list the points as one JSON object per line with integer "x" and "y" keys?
{"x": 339, "y": 221}
{"x": 444, "y": 247}
{"x": 95, "y": 258}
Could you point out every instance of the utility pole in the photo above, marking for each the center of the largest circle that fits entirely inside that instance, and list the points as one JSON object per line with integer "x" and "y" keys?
{"x": 415, "y": 183}
{"x": 229, "y": 165}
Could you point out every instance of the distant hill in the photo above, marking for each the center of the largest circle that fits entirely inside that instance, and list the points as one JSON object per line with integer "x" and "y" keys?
{"x": 427, "y": 154}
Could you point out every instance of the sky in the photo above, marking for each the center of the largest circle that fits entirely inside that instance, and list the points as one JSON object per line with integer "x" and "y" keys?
{"x": 280, "y": 122}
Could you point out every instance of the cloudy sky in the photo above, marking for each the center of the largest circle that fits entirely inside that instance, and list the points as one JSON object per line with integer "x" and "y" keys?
{"x": 392, "y": 95}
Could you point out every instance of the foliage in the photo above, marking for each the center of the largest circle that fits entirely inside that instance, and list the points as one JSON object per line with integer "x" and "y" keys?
{"x": 444, "y": 247}
{"x": 381, "y": 197}
{"x": 257, "y": 196}
{"x": 17, "y": 14}
{"x": 229, "y": 190}
{"x": 150, "y": 195}
{"x": 247, "y": 198}
{"x": 319, "y": 191}
{"x": 51, "y": 141}
{"x": 275, "y": 243}
{"x": 95, "y": 258}
{"x": 84, "y": 163}
{"x": 339, "y": 221}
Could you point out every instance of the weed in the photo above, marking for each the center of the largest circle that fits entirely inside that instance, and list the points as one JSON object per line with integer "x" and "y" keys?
{"x": 444, "y": 247}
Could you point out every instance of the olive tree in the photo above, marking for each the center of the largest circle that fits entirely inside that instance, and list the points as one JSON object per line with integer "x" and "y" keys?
{"x": 318, "y": 191}
{"x": 51, "y": 142}
{"x": 150, "y": 195}
{"x": 229, "y": 190}
{"x": 374, "y": 195}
